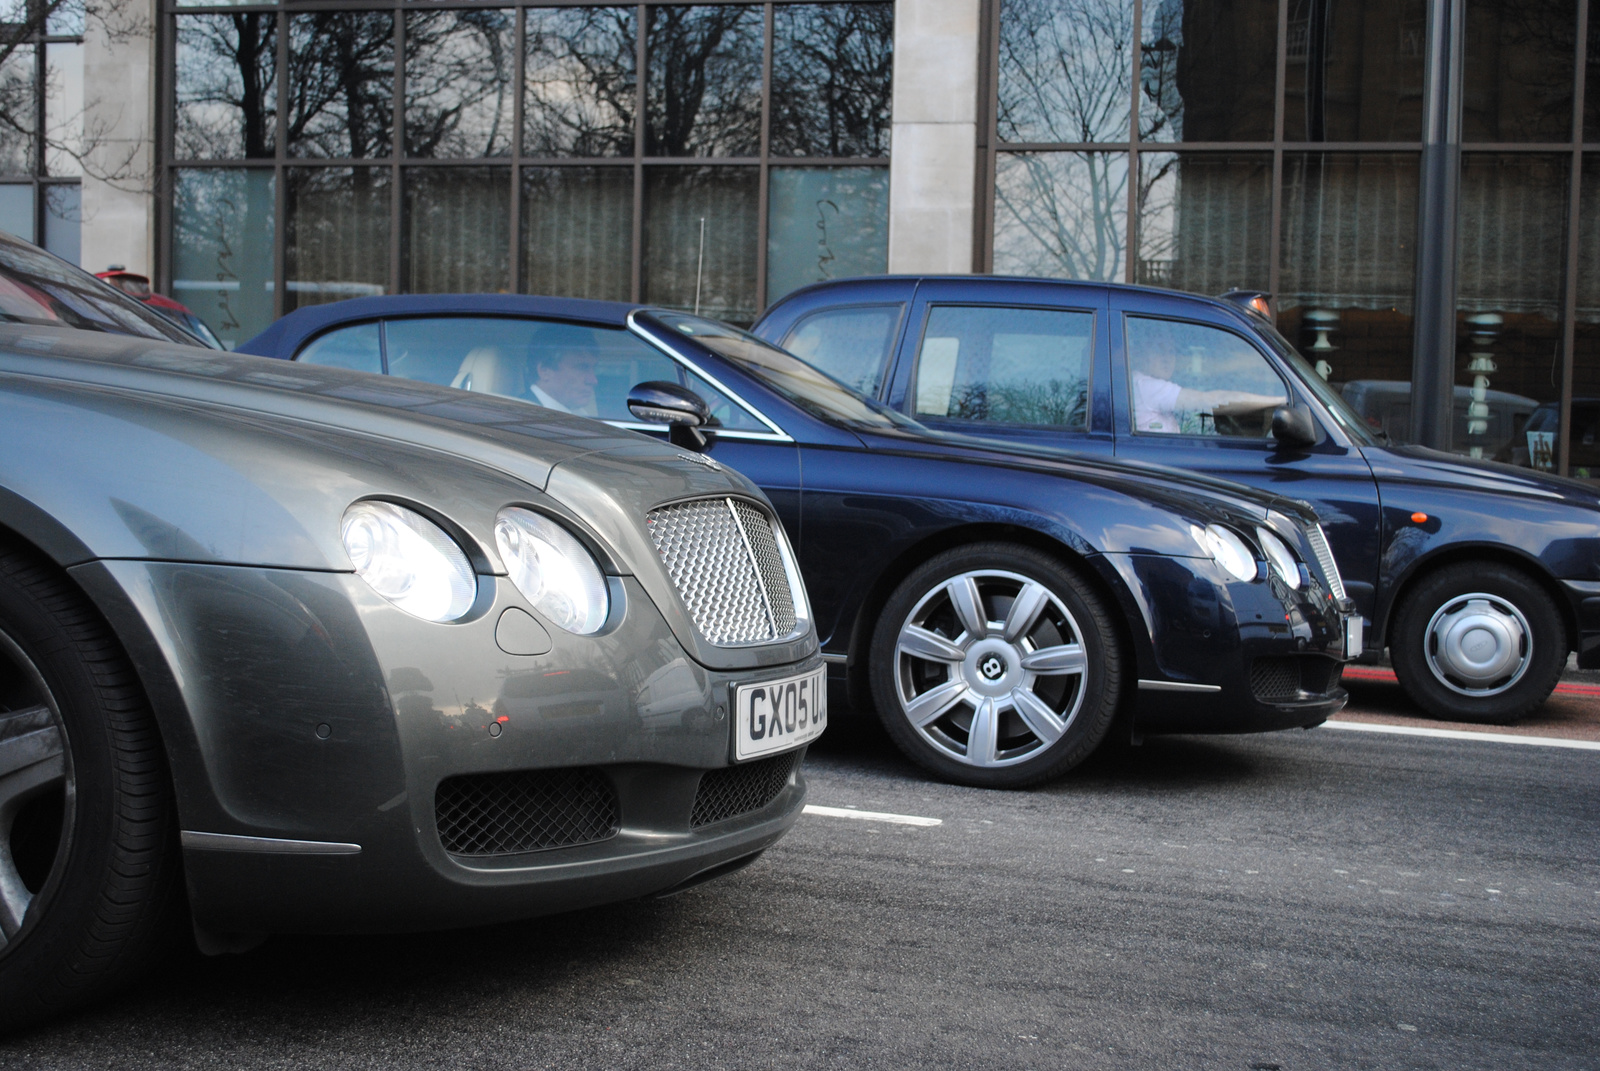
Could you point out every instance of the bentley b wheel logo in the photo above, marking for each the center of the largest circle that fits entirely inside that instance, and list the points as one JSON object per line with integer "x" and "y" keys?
{"x": 992, "y": 668}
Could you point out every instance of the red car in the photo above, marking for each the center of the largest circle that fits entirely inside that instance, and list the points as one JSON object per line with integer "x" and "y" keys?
{"x": 137, "y": 287}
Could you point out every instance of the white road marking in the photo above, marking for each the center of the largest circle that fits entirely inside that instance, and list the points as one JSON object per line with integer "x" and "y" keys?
{"x": 872, "y": 816}
{"x": 1461, "y": 734}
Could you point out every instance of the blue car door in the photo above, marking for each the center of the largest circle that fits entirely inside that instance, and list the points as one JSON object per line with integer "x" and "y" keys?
{"x": 1008, "y": 359}
{"x": 1195, "y": 390}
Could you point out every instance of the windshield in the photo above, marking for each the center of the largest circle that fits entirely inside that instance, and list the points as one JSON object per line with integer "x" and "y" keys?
{"x": 816, "y": 392}
{"x": 38, "y": 288}
{"x": 1343, "y": 415}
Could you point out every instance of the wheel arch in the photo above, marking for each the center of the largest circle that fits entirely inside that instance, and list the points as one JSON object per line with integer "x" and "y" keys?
{"x": 863, "y": 620}
{"x": 1494, "y": 553}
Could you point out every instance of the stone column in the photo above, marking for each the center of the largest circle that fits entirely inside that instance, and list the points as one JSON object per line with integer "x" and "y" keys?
{"x": 933, "y": 157}
{"x": 119, "y": 79}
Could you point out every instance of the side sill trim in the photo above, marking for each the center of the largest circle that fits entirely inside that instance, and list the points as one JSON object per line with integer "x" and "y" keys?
{"x": 228, "y": 842}
{"x": 1177, "y": 686}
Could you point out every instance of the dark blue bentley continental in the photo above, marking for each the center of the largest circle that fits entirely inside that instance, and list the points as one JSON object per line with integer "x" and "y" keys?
{"x": 1478, "y": 577}
{"x": 1000, "y": 605}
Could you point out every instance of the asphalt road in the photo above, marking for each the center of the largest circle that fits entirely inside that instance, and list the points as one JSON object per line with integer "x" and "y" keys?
{"x": 1306, "y": 900}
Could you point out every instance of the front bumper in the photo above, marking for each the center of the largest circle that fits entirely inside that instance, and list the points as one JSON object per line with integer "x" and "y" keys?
{"x": 1221, "y": 656}
{"x": 305, "y": 708}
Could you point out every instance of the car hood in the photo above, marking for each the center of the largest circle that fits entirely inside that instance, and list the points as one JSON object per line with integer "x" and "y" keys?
{"x": 1191, "y": 494}
{"x": 1397, "y": 465}
{"x": 161, "y": 451}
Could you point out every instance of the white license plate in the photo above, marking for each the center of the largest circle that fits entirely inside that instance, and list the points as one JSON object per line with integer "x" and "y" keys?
{"x": 1353, "y": 635}
{"x": 778, "y": 715}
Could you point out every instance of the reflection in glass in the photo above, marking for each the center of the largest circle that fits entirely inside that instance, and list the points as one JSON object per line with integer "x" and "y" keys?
{"x": 16, "y": 209}
{"x": 577, "y": 231}
{"x": 580, "y": 81}
{"x": 459, "y": 71}
{"x": 1509, "y": 274}
{"x": 1205, "y": 221}
{"x": 1348, "y": 276}
{"x": 1065, "y": 70}
{"x": 17, "y": 105}
{"x": 1207, "y": 70}
{"x": 1584, "y": 448}
{"x": 1518, "y": 81}
{"x": 700, "y": 240}
{"x": 457, "y": 237}
{"x": 226, "y": 86}
{"x": 63, "y": 221}
{"x": 825, "y": 223}
{"x": 222, "y": 226}
{"x": 1354, "y": 70}
{"x": 336, "y": 235}
{"x": 66, "y": 18}
{"x": 63, "y": 109}
{"x": 831, "y": 67}
{"x": 1061, "y": 214}
{"x": 703, "y": 92}
{"x": 341, "y": 68}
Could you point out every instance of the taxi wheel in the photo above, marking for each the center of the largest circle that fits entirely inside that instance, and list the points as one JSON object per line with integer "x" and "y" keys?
{"x": 89, "y": 885}
{"x": 1478, "y": 642}
{"x": 995, "y": 665}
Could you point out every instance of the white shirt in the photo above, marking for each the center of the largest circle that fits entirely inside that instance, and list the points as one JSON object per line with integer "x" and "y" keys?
{"x": 1154, "y": 404}
{"x": 549, "y": 402}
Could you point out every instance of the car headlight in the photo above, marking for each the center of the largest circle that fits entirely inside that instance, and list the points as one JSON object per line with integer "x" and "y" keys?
{"x": 1281, "y": 557}
{"x": 1227, "y": 549}
{"x": 409, "y": 560}
{"x": 554, "y": 571}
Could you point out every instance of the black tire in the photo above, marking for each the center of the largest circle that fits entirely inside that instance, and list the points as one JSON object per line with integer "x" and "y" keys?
{"x": 86, "y": 804}
{"x": 1513, "y": 599}
{"x": 1020, "y": 749}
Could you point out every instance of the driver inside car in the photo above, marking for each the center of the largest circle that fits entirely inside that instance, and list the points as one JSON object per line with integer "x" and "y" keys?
{"x": 1162, "y": 405}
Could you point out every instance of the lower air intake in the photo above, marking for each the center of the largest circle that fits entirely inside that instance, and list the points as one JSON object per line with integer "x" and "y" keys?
{"x": 1288, "y": 678}
{"x": 524, "y": 811}
{"x": 735, "y": 790}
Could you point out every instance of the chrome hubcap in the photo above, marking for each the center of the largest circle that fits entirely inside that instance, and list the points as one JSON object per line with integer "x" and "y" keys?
{"x": 990, "y": 668}
{"x": 37, "y": 793}
{"x": 1478, "y": 645}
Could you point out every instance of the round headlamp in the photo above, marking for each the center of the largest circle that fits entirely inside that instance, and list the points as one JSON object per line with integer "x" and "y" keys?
{"x": 409, "y": 560}
{"x": 1281, "y": 557}
{"x": 554, "y": 571}
{"x": 1227, "y": 549}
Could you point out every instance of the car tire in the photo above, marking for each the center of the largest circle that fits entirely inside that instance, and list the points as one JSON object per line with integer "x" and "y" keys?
{"x": 948, "y": 660}
{"x": 89, "y": 888}
{"x": 1478, "y": 642}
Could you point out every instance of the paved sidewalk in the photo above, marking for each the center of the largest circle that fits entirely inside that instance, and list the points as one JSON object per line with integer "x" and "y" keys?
{"x": 1572, "y": 713}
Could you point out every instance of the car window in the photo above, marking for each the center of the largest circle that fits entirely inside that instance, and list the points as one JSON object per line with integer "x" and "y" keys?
{"x": 355, "y": 347}
{"x": 572, "y": 367}
{"x": 39, "y": 288}
{"x": 850, "y": 344}
{"x": 1193, "y": 379}
{"x": 997, "y": 365}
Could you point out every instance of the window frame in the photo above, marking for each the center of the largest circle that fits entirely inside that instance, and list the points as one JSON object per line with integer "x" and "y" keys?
{"x": 1291, "y": 393}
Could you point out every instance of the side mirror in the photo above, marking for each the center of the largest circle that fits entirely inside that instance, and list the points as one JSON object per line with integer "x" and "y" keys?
{"x": 1293, "y": 427}
{"x": 681, "y": 409}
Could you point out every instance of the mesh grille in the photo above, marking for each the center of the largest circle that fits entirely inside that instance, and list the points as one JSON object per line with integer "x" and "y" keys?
{"x": 1289, "y": 677}
{"x": 735, "y": 790}
{"x": 525, "y": 811}
{"x": 723, "y": 557}
{"x": 1329, "y": 567}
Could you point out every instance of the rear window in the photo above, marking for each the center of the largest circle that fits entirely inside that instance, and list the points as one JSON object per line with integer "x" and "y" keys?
{"x": 38, "y": 288}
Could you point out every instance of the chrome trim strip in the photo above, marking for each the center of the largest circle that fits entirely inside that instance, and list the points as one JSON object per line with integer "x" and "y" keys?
{"x": 836, "y": 659}
{"x": 755, "y": 566}
{"x": 662, "y": 344}
{"x": 229, "y": 842}
{"x": 1177, "y": 686}
{"x": 721, "y": 433}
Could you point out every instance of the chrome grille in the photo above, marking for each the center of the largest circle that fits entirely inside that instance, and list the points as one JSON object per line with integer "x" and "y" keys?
{"x": 723, "y": 556}
{"x": 1325, "y": 562}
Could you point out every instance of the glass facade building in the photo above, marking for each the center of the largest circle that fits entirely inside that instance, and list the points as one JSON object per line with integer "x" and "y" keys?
{"x": 41, "y": 124}
{"x": 709, "y": 157}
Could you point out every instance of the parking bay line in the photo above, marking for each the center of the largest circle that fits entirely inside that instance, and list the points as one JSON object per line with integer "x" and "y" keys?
{"x": 1462, "y": 734}
{"x": 872, "y": 816}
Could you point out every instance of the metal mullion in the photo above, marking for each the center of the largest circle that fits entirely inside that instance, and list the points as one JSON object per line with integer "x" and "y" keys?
{"x": 702, "y": 161}
{"x": 1569, "y": 310}
{"x": 40, "y": 72}
{"x": 1226, "y": 146}
{"x": 165, "y": 178}
{"x": 636, "y": 267}
{"x": 566, "y": 161}
{"x": 520, "y": 51}
{"x": 1130, "y": 267}
{"x": 1280, "y": 88}
{"x": 397, "y": 133}
{"x": 280, "y": 174}
{"x": 987, "y": 121}
{"x": 1510, "y": 147}
{"x": 761, "y": 181}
